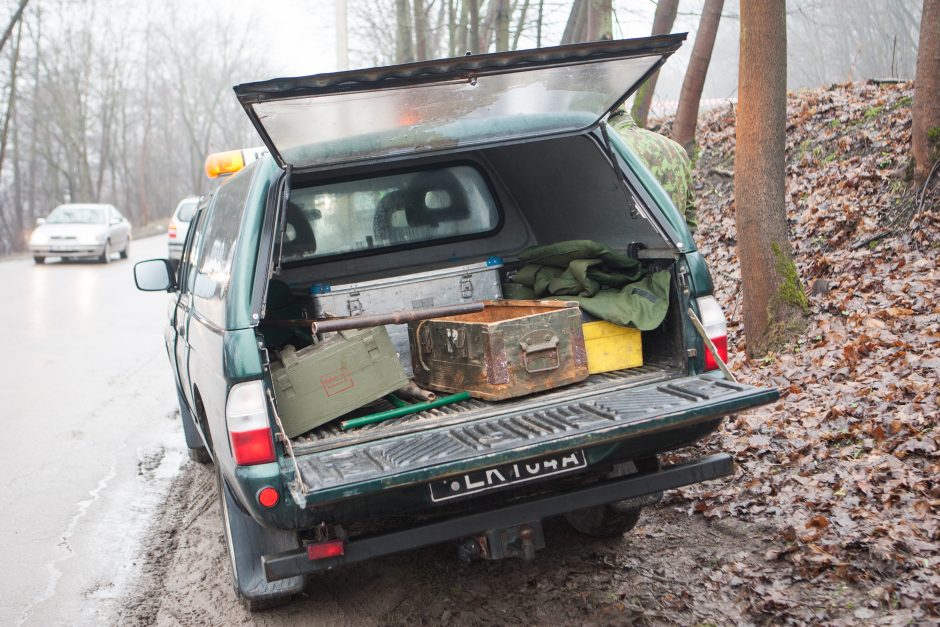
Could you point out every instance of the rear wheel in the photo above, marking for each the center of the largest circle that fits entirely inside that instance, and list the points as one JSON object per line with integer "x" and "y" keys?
{"x": 39, "y": 259}
{"x": 246, "y": 542}
{"x": 106, "y": 253}
{"x": 127, "y": 248}
{"x": 604, "y": 521}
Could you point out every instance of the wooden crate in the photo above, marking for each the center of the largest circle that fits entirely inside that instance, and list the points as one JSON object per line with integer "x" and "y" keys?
{"x": 511, "y": 348}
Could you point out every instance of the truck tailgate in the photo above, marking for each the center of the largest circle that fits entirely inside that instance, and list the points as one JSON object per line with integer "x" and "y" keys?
{"x": 403, "y": 460}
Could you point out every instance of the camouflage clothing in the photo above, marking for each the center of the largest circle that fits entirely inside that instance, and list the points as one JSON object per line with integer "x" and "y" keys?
{"x": 664, "y": 158}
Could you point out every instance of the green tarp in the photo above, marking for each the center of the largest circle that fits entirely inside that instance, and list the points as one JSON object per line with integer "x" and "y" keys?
{"x": 606, "y": 284}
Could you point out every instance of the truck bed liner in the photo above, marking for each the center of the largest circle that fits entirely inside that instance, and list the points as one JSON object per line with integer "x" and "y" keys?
{"x": 330, "y": 435}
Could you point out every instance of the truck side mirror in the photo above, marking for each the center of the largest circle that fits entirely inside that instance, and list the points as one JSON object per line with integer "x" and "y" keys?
{"x": 154, "y": 275}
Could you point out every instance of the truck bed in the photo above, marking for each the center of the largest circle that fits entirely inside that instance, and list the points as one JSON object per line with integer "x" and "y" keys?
{"x": 330, "y": 436}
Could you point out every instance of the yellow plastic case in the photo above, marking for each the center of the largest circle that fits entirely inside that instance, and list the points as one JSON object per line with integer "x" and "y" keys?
{"x": 611, "y": 346}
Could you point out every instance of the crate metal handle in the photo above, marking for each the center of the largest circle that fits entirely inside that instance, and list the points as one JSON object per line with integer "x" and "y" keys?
{"x": 550, "y": 343}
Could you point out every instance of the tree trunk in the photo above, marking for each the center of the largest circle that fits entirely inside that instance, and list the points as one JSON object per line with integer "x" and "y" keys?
{"x": 683, "y": 131}
{"x": 421, "y": 31}
{"x": 598, "y": 24}
{"x": 474, "y": 8}
{"x": 662, "y": 24}
{"x": 570, "y": 35}
{"x": 501, "y": 23}
{"x": 538, "y": 27}
{"x": 13, "y": 20}
{"x": 404, "y": 44}
{"x": 774, "y": 302}
{"x": 925, "y": 132}
{"x": 520, "y": 25}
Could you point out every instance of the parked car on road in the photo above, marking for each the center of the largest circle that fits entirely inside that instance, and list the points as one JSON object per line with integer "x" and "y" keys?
{"x": 179, "y": 226}
{"x": 81, "y": 230}
{"x": 379, "y": 183}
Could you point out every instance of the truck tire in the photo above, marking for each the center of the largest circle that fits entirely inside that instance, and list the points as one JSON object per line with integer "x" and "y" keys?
{"x": 196, "y": 449}
{"x": 39, "y": 259}
{"x": 246, "y": 541}
{"x": 604, "y": 521}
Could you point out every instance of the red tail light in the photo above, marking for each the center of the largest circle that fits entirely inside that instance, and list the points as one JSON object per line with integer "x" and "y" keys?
{"x": 716, "y": 328}
{"x": 268, "y": 496}
{"x": 171, "y": 231}
{"x": 324, "y": 550}
{"x": 249, "y": 429}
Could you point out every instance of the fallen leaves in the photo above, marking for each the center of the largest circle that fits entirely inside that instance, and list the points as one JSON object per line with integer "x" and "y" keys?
{"x": 847, "y": 466}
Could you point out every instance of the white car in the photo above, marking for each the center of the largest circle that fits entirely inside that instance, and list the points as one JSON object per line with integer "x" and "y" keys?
{"x": 82, "y": 230}
{"x": 179, "y": 226}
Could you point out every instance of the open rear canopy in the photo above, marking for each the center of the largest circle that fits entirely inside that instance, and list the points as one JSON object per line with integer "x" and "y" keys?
{"x": 436, "y": 105}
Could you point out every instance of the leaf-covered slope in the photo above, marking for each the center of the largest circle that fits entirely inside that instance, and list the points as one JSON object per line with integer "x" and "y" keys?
{"x": 846, "y": 465}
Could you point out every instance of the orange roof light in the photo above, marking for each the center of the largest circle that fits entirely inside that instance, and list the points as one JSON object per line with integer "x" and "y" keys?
{"x": 222, "y": 163}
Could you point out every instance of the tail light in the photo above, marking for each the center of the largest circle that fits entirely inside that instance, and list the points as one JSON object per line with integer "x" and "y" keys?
{"x": 249, "y": 429}
{"x": 716, "y": 328}
{"x": 325, "y": 550}
{"x": 171, "y": 231}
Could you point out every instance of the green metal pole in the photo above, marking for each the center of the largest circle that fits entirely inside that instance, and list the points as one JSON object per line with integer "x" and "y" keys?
{"x": 397, "y": 402}
{"x": 398, "y": 412}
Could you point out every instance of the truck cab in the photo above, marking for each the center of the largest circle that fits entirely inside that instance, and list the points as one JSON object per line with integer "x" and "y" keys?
{"x": 520, "y": 139}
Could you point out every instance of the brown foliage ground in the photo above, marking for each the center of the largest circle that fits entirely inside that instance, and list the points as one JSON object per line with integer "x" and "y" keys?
{"x": 846, "y": 466}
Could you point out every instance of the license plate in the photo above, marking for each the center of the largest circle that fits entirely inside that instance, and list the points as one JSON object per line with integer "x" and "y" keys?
{"x": 508, "y": 474}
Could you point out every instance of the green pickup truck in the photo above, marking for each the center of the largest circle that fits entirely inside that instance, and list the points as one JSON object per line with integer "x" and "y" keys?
{"x": 524, "y": 135}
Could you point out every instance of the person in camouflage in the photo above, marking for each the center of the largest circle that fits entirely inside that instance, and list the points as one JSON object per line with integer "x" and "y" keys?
{"x": 664, "y": 158}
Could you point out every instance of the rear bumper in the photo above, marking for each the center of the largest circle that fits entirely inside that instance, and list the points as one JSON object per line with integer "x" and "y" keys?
{"x": 174, "y": 250}
{"x": 67, "y": 250}
{"x": 291, "y": 563}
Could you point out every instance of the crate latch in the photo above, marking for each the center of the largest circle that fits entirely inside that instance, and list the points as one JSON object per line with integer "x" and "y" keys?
{"x": 466, "y": 286}
{"x": 354, "y": 305}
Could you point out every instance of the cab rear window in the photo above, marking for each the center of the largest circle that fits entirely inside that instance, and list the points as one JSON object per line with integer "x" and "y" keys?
{"x": 385, "y": 211}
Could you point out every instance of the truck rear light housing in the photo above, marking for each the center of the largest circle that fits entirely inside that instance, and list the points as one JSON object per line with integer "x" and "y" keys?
{"x": 249, "y": 428}
{"x": 325, "y": 550}
{"x": 716, "y": 328}
{"x": 171, "y": 231}
{"x": 268, "y": 496}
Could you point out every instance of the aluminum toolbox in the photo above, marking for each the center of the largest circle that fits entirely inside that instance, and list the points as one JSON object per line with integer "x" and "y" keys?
{"x": 511, "y": 348}
{"x": 318, "y": 383}
{"x": 446, "y": 286}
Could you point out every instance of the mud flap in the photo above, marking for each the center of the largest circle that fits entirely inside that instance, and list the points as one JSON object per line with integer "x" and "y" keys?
{"x": 193, "y": 439}
{"x": 248, "y": 541}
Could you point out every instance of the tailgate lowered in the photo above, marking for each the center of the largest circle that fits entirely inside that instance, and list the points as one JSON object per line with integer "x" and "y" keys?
{"x": 404, "y": 460}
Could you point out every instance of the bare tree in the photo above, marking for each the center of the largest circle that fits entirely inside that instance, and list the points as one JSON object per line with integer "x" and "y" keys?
{"x": 925, "y": 131}
{"x": 663, "y": 20}
{"x": 774, "y": 302}
{"x": 683, "y": 131}
{"x": 13, "y": 21}
{"x": 404, "y": 42}
{"x": 501, "y": 19}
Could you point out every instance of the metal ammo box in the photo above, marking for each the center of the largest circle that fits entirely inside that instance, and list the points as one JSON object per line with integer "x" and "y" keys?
{"x": 435, "y": 288}
{"x": 511, "y": 348}
{"x": 318, "y": 383}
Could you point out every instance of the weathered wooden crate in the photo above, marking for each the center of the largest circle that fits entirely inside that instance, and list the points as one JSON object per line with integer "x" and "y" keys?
{"x": 511, "y": 348}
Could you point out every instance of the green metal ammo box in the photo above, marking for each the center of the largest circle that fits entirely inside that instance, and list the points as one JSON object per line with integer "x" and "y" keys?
{"x": 318, "y": 383}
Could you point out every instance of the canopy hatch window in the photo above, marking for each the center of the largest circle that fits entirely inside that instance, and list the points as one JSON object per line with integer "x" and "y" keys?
{"x": 450, "y": 103}
{"x": 374, "y": 213}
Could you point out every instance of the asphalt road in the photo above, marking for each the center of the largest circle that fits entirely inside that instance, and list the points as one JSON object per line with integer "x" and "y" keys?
{"x": 89, "y": 437}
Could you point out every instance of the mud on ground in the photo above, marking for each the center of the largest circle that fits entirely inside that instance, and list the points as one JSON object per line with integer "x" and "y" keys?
{"x": 672, "y": 568}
